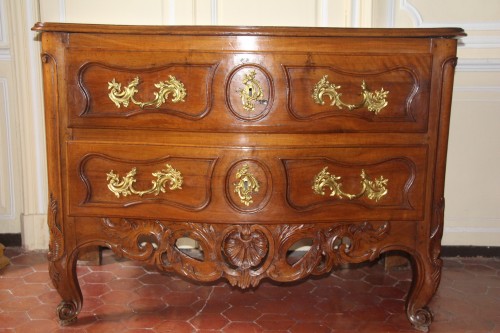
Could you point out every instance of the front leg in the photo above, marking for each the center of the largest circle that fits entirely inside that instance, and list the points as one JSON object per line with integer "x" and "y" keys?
{"x": 62, "y": 268}
{"x": 426, "y": 277}
{"x": 64, "y": 278}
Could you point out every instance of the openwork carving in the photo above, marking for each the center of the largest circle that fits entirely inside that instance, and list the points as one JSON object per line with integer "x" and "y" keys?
{"x": 125, "y": 96}
{"x": 247, "y": 185}
{"x": 125, "y": 186}
{"x": 372, "y": 189}
{"x": 252, "y": 92}
{"x": 244, "y": 254}
{"x": 374, "y": 101}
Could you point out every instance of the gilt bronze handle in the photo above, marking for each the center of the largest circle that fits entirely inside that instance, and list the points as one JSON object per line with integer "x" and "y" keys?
{"x": 125, "y": 186}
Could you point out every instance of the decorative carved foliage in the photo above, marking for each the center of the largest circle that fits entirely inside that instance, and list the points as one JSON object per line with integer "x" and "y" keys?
{"x": 245, "y": 248}
{"x": 56, "y": 244}
{"x": 244, "y": 254}
{"x": 136, "y": 239}
{"x": 435, "y": 241}
{"x": 347, "y": 241}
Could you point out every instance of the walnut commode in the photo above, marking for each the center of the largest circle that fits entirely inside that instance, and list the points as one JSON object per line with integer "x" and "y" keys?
{"x": 247, "y": 140}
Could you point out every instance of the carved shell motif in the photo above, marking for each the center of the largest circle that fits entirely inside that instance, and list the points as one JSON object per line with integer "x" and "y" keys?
{"x": 245, "y": 248}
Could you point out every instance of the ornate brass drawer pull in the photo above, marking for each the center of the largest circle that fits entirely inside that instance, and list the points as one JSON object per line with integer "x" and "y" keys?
{"x": 373, "y": 189}
{"x": 246, "y": 186}
{"x": 125, "y": 186}
{"x": 373, "y": 101}
{"x": 125, "y": 96}
{"x": 252, "y": 92}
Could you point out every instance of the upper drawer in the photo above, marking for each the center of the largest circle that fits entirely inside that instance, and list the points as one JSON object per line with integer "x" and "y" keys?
{"x": 238, "y": 92}
{"x": 119, "y": 89}
{"x": 360, "y": 93}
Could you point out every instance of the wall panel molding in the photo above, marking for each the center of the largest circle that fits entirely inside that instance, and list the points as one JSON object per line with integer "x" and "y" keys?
{"x": 62, "y": 10}
{"x": 420, "y": 21}
{"x": 7, "y": 199}
{"x": 26, "y": 71}
{"x": 478, "y": 65}
{"x": 481, "y": 34}
{"x": 4, "y": 40}
{"x": 3, "y": 25}
{"x": 214, "y": 12}
{"x": 479, "y": 230}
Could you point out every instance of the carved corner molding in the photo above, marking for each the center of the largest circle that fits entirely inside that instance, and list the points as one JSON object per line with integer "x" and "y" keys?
{"x": 244, "y": 254}
{"x": 56, "y": 244}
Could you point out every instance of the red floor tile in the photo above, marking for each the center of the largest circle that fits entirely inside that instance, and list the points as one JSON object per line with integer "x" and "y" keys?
{"x": 209, "y": 321}
{"x": 127, "y": 297}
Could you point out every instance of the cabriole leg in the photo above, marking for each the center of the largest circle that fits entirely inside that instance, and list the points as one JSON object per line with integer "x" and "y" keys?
{"x": 426, "y": 277}
{"x": 63, "y": 276}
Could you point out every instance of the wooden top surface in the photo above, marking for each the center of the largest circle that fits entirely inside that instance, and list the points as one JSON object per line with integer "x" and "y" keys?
{"x": 251, "y": 31}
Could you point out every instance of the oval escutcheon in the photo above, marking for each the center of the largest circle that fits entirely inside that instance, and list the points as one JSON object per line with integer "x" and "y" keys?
{"x": 249, "y": 92}
{"x": 248, "y": 185}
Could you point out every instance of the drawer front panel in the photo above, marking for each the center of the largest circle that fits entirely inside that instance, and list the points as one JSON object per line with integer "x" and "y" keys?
{"x": 119, "y": 89}
{"x": 321, "y": 181}
{"x": 361, "y": 93}
{"x": 228, "y": 185}
{"x": 242, "y": 92}
{"x": 113, "y": 176}
{"x": 162, "y": 90}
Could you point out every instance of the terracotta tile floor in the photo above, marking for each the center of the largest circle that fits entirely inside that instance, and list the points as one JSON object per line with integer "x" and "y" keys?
{"x": 124, "y": 296}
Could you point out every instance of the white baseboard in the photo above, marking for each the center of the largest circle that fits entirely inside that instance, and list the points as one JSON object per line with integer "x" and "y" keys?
{"x": 35, "y": 232}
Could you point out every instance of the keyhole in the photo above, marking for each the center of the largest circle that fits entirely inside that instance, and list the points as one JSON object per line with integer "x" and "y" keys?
{"x": 250, "y": 91}
{"x": 245, "y": 185}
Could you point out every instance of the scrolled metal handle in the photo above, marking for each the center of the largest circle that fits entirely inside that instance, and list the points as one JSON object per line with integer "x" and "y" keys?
{"x": 374, "y": 101}
{"x": 125, "y": 186}
{"x": 373, "y": 189}
{"x": 125, "y": 96}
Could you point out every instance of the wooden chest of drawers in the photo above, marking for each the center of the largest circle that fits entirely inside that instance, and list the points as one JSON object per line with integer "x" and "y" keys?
{"x": 248, "y": 141}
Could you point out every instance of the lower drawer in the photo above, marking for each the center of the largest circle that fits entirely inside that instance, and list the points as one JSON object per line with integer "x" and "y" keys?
{"x": 234, "y": 185}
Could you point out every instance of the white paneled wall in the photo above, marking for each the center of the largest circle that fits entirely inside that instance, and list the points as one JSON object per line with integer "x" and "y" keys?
{"x": 8, "y": 219}
{"x": 472, "y": 189}
{"x": 22, "y": 139}
{"x": 10, "y": 191}
{"x": 472, "y": 214}
{"x": 206, "y": 12}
